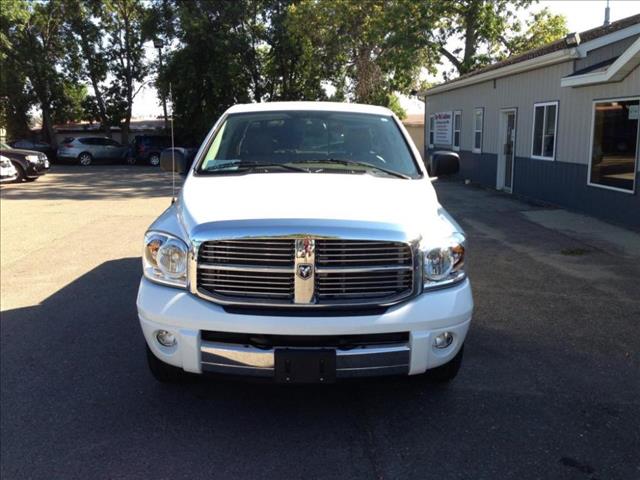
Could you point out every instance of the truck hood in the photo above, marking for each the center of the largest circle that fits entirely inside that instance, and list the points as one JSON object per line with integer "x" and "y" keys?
{"x": 410, "y": 204}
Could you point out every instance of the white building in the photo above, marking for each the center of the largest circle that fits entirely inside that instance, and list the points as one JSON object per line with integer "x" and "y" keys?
{"x": 557, "y": 124}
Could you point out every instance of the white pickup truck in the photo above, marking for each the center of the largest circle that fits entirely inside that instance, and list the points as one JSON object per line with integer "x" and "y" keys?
{"x": 307, "y": 245}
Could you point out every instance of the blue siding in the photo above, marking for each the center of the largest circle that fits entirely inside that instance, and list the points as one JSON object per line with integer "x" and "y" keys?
{"x": 558, "y": 183}
{"x": 565, "y": 184}
{"x": 477, "y": 167}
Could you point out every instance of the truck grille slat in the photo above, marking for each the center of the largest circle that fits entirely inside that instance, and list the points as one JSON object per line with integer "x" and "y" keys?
{"x": 346, "y": 271}
{"x": 245, "y": 288}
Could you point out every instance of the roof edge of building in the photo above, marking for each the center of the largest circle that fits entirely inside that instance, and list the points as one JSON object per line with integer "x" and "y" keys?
{"x": 523, "y": 62}
{"x": 552, "y": 58}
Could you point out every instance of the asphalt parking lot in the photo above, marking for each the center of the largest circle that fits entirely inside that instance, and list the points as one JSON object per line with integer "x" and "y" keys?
{"x": 550, "y": 386}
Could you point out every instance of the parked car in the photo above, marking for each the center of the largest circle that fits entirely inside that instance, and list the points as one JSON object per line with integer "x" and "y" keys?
{"x": 37, "y": 146}
{"x": 188, "y": 153}
{"x": 8, "y": 172}
{"x": 28, "y": 163}
{"x": 86, "y": 150}
{"x": 294, "y": 252}
{"x": 147, "y": 148}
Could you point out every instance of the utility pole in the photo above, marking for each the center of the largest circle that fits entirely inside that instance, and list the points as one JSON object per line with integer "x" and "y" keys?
{"x": 607, "y": 14}
{"x": 158, "y": 43}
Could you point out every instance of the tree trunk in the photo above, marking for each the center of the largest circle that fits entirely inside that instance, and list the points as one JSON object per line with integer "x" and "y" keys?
{"x": 470, "y": 37}
{"x": 104, "y": 120}
{"x": 47, "y": 125}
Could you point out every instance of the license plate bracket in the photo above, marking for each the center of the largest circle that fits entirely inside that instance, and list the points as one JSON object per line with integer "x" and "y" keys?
{"x": 294, "y": 365}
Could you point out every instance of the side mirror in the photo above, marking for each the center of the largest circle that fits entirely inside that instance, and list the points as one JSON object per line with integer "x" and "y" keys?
{"x": 444, "y": 163}
{"x": 173, "y": 160}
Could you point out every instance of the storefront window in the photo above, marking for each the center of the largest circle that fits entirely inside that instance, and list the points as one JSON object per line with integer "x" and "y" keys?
{"x": 432, "y": 127}
{"x": 614, "y": 149}
{"x": 477, "y": 130}
{"x": 457, "y": 121}
{"x": 544, "y": 130}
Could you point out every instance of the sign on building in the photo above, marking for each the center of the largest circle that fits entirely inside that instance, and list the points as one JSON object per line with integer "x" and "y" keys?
{"x": 443, "y": 128}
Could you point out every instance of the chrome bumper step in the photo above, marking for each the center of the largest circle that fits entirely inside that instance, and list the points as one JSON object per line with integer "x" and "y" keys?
{"x": 234, "y": 359}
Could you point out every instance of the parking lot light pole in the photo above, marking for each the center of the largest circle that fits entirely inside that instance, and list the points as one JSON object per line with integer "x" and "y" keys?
{"x": 158, "y": 43}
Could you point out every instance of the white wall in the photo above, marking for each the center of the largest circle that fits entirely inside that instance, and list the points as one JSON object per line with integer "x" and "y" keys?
{"x": 522, "y": 91}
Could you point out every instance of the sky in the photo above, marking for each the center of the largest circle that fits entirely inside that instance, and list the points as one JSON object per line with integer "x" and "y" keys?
{"x": 581, "y": 15}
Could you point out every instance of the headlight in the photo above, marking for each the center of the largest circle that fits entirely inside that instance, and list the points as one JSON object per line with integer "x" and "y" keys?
{"x": 164, "y": 259}
{"x": 443, "y": 261}
{"x": 32, "y": 158}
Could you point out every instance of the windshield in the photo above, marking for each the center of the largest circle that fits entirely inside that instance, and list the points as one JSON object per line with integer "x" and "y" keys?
{"x": 317, "y": 141}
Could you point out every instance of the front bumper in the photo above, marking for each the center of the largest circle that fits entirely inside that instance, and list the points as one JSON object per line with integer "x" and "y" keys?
{"x": 186, "y": 316}
{"x": 35, "y": 170}
{"x": 8, "y": 178}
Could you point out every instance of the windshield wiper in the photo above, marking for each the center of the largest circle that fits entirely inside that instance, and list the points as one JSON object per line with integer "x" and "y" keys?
{"x": 243, "y": 167}
{"x": 368, "y": 166}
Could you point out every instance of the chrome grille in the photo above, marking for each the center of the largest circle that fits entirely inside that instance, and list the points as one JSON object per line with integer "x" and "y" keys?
{"x": 350, "y": 253}
{"x": 246, "y": 284}
{"x": 245, "y": 268}
{"x": 371, "y": 284}
{"x": 345, "y": 272}
{"x": 275, "y": 252}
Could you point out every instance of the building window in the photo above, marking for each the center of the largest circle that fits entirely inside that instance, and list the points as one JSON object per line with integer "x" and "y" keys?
{"x": 545, "y": 126}
{"x": 614, "y": 144}
{"x": 457, "y": 122}
{"x": 432, "y": 127}
{"x": 478, "y": 120}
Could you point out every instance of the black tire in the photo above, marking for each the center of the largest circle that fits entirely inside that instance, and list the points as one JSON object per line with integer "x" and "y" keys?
{"x": 21, "y": 175}
{"x": 30, "y": 179}
{"x": 447, "y": 372}
{"x": 163, "y": 372}
{"x": 154, "y": 159}
{"x": 85, "y": 159}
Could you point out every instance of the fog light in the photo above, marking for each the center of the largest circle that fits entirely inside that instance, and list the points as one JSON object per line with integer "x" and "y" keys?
{"x": 165, "y": 338}
{"x": 443, "y": 340}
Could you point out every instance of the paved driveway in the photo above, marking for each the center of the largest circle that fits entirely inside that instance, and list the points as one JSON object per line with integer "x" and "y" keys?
{"x": 550, "y": 387}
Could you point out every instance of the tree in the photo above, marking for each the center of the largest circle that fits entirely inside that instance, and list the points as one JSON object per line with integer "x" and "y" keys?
{"x": 479, "y": 25}
{"x": 373, "y": 48}
{"x": 542, "y": 28}
{"x": 31, "y": 45}
{"x": 87, "y": 53}
{"x": 490, "y": 31}
{"x": 15, "y": 102}
{"x": 214, "y": 65}
{"x": 290, "y": 63}
{"x": 67, "y": 105}
{"x": 125, "y": 45}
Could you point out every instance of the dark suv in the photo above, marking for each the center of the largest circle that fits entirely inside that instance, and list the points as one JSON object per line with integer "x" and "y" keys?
{"x": 146, "y": 149}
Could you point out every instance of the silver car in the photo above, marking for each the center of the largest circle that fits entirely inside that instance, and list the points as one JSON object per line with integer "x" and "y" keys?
{"x": 85, "y": 150}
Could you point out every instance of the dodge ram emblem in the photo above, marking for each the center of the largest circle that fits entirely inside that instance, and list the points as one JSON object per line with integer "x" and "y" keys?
{"x": 305, "y": 270}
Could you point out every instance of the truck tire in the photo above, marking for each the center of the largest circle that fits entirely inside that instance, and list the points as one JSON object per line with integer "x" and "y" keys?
{"x": 447, "y": 372}
{"x": 163, "y": 372}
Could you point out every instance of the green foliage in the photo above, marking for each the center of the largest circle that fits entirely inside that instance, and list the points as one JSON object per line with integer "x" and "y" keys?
{"x": 222, "y": 52}
{"x": 480, "y": 25}
{"x": 369, "y": 49}
{"x": 490, "y": 31}
{"x": 393, "y": 103}
{"x": 67, "y": 106}
{"x": 541, "y": 28}
{"x": 123, "y": 20}
{"x": 87, "y": 56}
{"x": 31, "y": 47}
